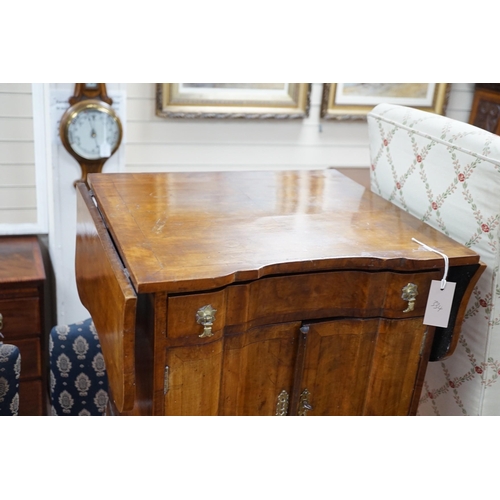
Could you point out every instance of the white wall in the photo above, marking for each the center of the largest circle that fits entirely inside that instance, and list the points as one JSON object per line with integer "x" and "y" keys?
{"x": 158, "y": 144}
{"x": 155, "y": 144}
{"x": 63, "y": 171}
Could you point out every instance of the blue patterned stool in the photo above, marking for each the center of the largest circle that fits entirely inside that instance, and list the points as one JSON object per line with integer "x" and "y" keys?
{"x": 78, "y": 380}
{"x": 10, "y": 371}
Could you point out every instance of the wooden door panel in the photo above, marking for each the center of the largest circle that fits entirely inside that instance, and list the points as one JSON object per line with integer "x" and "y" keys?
{"x": 337, "y": 365}
{"x": 193, "y": 381}
{"x": 258, "y": 366}
{"x": 395, "y": 366}
{"x": 371, "y": 366}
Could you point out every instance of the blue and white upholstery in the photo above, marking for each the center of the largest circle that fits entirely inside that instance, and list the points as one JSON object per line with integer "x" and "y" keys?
{"x": 10, "y": 371}
{"x": 78, "y": 380}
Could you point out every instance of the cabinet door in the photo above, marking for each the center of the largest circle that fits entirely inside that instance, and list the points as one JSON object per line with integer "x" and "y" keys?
{"x": 192, "y": 381}
{"x": 360, "y": 367}
{"x": 258, "y": 370}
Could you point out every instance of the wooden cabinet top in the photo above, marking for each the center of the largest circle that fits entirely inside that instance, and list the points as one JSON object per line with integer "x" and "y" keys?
{"x": 181, "y": 232}
{"x": 20, "y": 260}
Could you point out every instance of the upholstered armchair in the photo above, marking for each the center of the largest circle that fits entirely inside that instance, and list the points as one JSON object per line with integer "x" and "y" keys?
{"x": 10, "y": 372}
{"x": 78, "y": 379}
{"x": 447, "y": 173}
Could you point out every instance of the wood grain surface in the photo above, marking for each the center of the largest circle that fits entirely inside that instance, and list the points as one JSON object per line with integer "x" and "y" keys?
{"x": 181, "y": 232}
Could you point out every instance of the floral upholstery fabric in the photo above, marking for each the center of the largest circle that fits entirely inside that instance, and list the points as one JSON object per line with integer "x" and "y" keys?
{"x": 78, "y": 380}
{"x": 10, "y": 371}
{"x": 447, "y": 173}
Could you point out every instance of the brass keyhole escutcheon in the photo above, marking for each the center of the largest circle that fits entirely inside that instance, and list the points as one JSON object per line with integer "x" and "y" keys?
{"x": 304, "y": 405}
{"x": 205, "y": 316}
{"x": 282, "y": 404}
{"x": 409, "y": 293}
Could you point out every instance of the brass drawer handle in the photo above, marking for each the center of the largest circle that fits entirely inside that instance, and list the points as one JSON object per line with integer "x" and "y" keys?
{"x": 206, "y": 316}
{"x": 410, "y": 292}
{"x": 1, "y": 324}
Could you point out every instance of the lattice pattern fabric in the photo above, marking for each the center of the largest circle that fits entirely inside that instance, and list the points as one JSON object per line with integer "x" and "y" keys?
{"x": 10, "y": 372}
{"x": 447, "y": 173}
{"x": 78, "y": 380}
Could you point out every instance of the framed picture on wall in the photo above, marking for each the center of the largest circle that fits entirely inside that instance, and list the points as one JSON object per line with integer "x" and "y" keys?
{"x": 233, "y": 100}
{"x": 355, "y": 100}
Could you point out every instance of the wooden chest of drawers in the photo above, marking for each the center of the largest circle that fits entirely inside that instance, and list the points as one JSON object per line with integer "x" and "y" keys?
{"x": 261, "y": 293}
{"x": 22, "y": 279}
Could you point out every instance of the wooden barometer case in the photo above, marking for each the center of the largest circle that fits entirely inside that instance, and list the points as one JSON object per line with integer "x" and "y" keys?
{"x": 90, "y": 129}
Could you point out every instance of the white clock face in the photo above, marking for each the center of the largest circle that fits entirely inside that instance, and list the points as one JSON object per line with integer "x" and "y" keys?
{"x": 93, "y": 134}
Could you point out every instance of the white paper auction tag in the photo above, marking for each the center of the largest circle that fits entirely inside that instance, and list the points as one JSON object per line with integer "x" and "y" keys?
{"x": 438, "y": 309}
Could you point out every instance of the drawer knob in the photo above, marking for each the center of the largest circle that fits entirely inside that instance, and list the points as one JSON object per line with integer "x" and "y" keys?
{"x": 410, "y": 292}
{"x": 206, "y": 316}
{"x": 1, "y": 322}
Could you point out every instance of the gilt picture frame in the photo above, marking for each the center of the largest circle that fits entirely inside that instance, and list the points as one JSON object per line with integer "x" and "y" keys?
{"x": 353, "y": 101}
{"x": 233, "y": 100}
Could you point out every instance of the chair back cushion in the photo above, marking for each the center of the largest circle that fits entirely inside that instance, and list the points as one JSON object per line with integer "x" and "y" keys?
{"x": 78, "y": 379}
{"x": 447, "y": 173}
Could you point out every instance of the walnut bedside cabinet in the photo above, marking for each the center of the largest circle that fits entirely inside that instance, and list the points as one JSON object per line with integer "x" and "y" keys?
{"x": 262, "y": 293}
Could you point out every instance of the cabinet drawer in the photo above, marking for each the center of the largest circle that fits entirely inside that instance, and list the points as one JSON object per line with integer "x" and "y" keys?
{"x": 298, "y": 298}
{"x": 21, "y": 317}
{"x": 30, "y": 357}
{"x": 31, "y": 401}
{"x": 322, "y": 295}
{"x": 182, "y": 314}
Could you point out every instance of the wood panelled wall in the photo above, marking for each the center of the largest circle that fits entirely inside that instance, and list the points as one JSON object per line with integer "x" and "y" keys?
{"x": 17, "y": 155}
